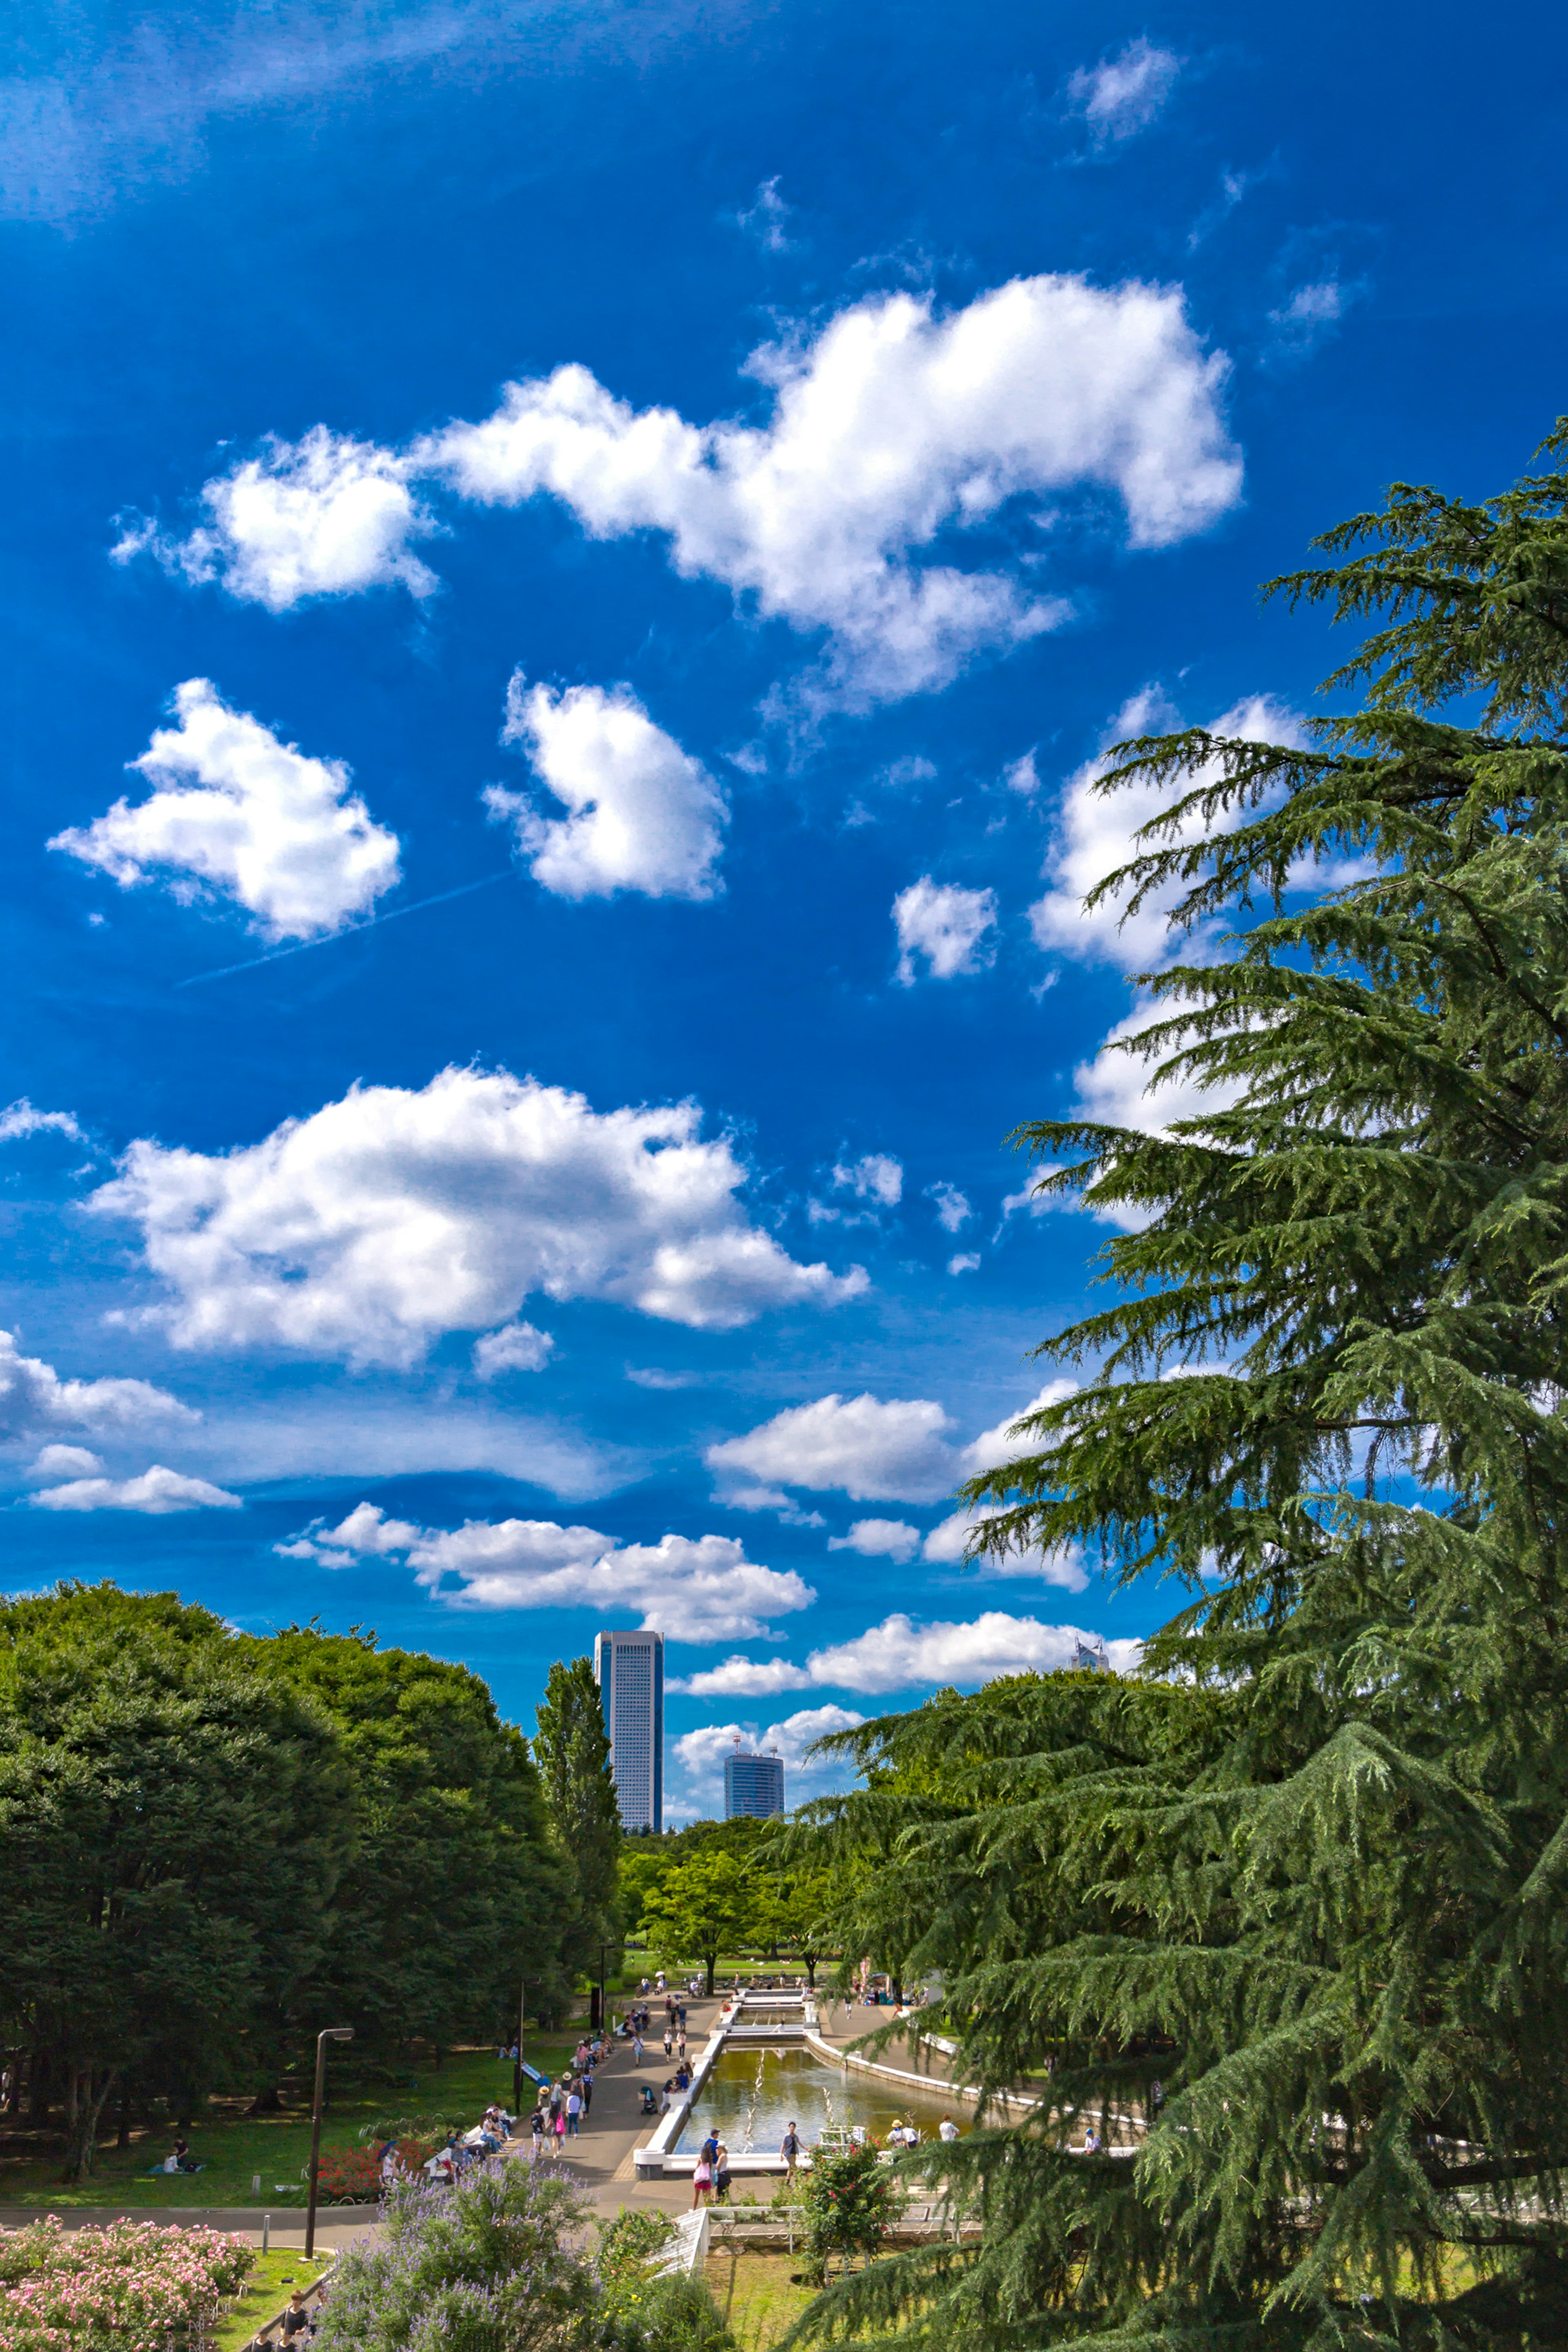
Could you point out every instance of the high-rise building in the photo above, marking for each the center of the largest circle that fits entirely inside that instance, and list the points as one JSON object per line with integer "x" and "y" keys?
{"x": 1089, "y": 1659}
{"x": 753, "y": 1784}
{"x": 629, "y": 1671}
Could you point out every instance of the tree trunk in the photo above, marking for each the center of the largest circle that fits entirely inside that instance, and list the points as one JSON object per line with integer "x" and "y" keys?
{"x": 84, "y": 2107}
{"x": 711, "y": 1962}
{"x": 122, "y": 2136}
{"x": 40, "y": 2085}
{"x": 811, "y": 1970}
{"x": 266, "y": 2103}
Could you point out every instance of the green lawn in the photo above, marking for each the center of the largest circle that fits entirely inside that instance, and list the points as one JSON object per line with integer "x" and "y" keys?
{"x": 758, "y": 2295}
{"x": 264, "y": 2294}
{"x": 234, "y": 2150}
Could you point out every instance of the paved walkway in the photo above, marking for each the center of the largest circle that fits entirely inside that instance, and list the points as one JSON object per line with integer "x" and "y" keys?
{"x": 600, "y": 2157}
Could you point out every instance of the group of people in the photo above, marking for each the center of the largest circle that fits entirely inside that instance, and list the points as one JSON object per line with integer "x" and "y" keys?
{"x": 710, "y": 2179}
{"x": 634, "y": 2028}
{"x": 563, "y": 2108}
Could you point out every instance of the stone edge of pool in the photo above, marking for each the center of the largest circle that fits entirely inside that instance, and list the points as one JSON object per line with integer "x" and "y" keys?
{"x": 659, "y": 2159}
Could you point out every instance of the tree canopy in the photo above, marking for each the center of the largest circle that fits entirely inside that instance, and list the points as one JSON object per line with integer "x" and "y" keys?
{"x": 1309, "y": 1868}
{"x": 571, "y": 1748}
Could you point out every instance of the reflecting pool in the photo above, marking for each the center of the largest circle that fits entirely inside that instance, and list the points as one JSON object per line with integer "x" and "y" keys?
{"x": 751, "y": 2095}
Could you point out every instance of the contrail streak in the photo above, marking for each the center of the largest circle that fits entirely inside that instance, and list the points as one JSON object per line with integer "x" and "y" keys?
{"x": 277, "y": 954}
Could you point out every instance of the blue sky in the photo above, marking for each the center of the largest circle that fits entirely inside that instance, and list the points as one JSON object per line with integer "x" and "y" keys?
{"x": 567, "y": 572}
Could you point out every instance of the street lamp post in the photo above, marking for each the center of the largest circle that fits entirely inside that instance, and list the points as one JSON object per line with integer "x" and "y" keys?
{"x": 328, "y": 2033}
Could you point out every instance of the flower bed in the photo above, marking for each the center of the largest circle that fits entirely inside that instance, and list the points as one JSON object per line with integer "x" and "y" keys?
{"x": 135, "y": 2287}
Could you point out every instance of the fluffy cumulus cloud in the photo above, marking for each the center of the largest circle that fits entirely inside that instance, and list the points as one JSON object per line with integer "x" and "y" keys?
{"x": 65, "y": 1462}
{"x": 1123, "y": 94}
{"x": 693, "y": 1588}
{"x": 891, "y": 429}
{"x": 898, "y": 1652}
{"x": 34, "y": 1399}
{"x": 952, "y": 1209}
{"x": 19, "y": 1119}
{"x": 1096, "y": 836}
{"x": 304, "y": 519}
{"x": 875, "y": 1177}
{"x": 946, "y": 926}
{"x": 234, "y": 812}
{"x": 157, "y": 1490}
{"x": 858, "y": 1445}
{"x": 515, "y": 1348}
{"x": 382, "y": 1221}
{"x": 901, "y": 1654}
{"x": 644, "y": 815}
{"x": 700, "y": 1754}
{"x": 879, "y": 1539}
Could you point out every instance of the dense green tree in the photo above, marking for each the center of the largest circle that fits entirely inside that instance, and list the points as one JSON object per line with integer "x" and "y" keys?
{"x": 571, "y": 1750}
{"x": 1317, "y": 1880}
{"x": 706, "y": 1904}
{"x": 453, "y": 1891}
{"x": 173, "y": 1823}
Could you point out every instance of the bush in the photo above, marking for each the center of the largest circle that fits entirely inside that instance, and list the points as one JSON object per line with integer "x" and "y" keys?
{"x": 491, "y": 2265}
{"x": 849, "y": 2204}
{"x": 131, "y": 2287}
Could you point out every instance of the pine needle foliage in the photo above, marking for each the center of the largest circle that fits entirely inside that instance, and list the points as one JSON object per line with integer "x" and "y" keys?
{"x": 1309, "y": 1868}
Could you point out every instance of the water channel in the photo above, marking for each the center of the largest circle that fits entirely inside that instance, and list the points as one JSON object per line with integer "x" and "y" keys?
{"x": 751, "y": 2095}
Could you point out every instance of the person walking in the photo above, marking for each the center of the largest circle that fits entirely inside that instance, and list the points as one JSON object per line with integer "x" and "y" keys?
{"x": 561, "y": 2131}
{"x": 702, "y": 2180}
{"x": 587, "y": 2093}
{"x": 573, "y": 2110}
{"x": 720, "y": 2175}
{"x": 789, "y": 2148}
{"x": 637, "y": 2049}
{"x": 536, "y": 2126}
{"x": 669, "y": 2042}
{"x": 680, "y": 2045}
{"x": 948, "y": 2129}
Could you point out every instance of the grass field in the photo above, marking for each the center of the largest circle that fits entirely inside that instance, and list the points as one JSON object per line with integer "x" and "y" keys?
{"x": 264, "y": 2294}
{"x": 757, "y": 2295}
{"x": 234, "y": 2150}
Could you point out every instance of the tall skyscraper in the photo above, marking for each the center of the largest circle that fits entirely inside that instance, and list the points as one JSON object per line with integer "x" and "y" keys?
{"x": 753, "y": 1784}
{"x": 629, "y": 1671}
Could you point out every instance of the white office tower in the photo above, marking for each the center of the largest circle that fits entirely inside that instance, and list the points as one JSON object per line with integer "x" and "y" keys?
{"x": 1089, "y": 1660}
{"x": 629, "y": 1671}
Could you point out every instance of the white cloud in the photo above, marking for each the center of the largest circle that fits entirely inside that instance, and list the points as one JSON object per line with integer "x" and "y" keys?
{"x": 645, "y": 816}
{"x": 965, "y": 1262}
{"x": 33, "y": 1397}
{"x": 879, "y": 1539}
{"x": 65, "y": 1461}
{"x": 19, "y": 1118}
{"x": 317, "y": 517}
{"x": 700, "y": 1754}
{"x": 890, "y": 429}
{"x": 745, "y": 1678}
{"x": 766, "y": 218}
{"x": 947, "y": 1545}
{"x": 234, "y": 811}
{"x": 1022, "y": 776}
{"x": 382, "y": 1221}
{"x": 867, "y": 1449}
{"x": 1311, "y": 315}
{"x": 157, "y": 1490}
{"x": 945, "y": 924}
{"x": 700, "y": 1589}
{"x": 516, "y": 1348}
{"x": 1124, "y": 93}
{"x": 995, "y": 1446}
{"x": 1095, "y": 836}
{"x": 952, "y": 1209}
{"x": 897, "y": 1653}
{"x": 875, "y": 1178}
{"x": 900, "y": 1653}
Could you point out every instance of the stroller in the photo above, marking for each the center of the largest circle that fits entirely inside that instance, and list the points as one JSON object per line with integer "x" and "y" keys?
{"x": 649, "y": 2104}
